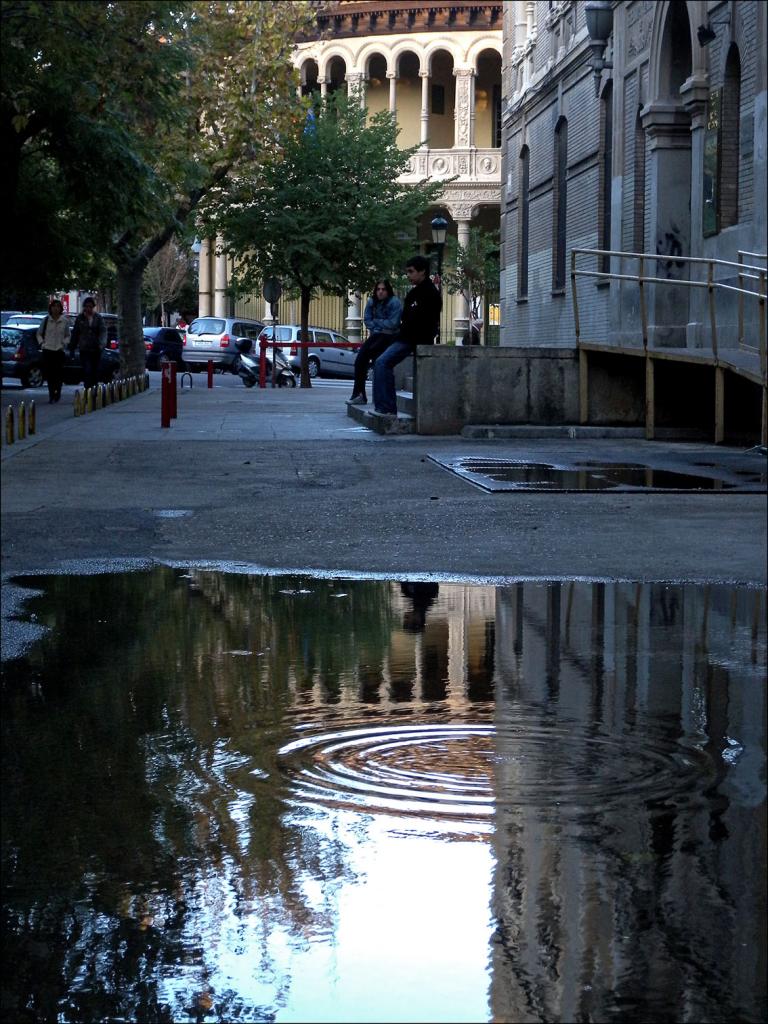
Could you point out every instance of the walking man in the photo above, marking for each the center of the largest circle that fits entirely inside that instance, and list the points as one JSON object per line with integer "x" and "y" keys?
{"x": 419, "y": 326}
{"x": 89, "y": 336}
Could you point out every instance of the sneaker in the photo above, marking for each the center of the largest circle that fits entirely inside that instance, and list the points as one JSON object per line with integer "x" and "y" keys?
{"x": 358, "y": 400}
{"x": 389, "y": 415}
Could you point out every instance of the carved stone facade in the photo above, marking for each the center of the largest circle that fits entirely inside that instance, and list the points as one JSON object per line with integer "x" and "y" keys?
{"x": 643, "y": 163}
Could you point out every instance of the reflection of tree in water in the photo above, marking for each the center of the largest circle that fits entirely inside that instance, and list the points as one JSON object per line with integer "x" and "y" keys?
{"x": 131, "y": 813}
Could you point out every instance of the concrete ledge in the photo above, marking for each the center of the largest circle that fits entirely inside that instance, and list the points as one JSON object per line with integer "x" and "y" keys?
{"x": 495, "y": 431}
{"x": 457, "y": 386}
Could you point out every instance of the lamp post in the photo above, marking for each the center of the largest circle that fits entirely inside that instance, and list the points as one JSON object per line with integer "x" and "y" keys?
{"x": 599, "y": 16}
{"x": 439, "y": 230}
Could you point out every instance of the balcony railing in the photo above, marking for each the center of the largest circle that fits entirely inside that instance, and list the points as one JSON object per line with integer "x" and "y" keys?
{"x": 470, "y": 165}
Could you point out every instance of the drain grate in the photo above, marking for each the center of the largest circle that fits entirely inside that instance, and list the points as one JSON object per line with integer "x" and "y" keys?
{"x": 516, "y": 475}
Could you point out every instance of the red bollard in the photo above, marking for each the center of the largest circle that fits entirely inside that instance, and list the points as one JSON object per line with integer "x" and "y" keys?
{"x": 165, "y": 397}
{"x": 210, "y": 373}
{"x": 172, "y": 387}
{"x": 262, "y": 364}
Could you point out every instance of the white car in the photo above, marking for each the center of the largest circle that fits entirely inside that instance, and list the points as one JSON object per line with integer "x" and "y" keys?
{"x": 324, "y": 359}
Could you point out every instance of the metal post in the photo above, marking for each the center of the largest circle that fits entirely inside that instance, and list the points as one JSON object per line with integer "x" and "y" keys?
{"x": 712, "y": 315}
{"x": 262, "y": 364}
{"x": 574, "y": 292}
{"x": 740, "y": 259}
{"x": 643, "y": 307}
{"x": 32, "y": 417}
{"x": 22, "y": 421}
{"x": 439, "y": 283}
{"x": 9, "y": 438}
{"x": 165, "y": 396}
{"x": 210, "y": 373}
{"x": 172, "y": 389}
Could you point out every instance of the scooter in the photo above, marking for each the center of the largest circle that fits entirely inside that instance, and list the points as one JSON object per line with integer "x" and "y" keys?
{"x": 246, "y": 366}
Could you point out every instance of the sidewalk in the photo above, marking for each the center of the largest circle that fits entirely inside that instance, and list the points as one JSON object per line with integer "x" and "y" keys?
{"x": 283, "y": 479}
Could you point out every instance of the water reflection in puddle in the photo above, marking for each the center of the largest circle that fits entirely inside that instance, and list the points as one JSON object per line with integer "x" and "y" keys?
{"x": 233, "y": 797}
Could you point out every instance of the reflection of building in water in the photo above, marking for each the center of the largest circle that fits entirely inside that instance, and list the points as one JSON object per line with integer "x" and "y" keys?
{"x": 645, "y": 890}
{"x": 440, "y": 648}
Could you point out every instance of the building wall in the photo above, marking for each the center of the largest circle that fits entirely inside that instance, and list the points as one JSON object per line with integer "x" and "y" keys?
{"x": 657, "y": 175}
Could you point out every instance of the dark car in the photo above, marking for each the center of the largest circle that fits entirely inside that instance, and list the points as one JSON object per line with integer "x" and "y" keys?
{"x": 22, "y": 357}
{"x": 163, "y": 345}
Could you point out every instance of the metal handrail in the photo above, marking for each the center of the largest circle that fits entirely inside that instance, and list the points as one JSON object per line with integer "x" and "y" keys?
{"x": 671, "y": 259}
{"x": 710, "y": 284}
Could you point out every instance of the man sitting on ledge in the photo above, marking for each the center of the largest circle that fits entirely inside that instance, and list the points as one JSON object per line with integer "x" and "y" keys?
{"x": 419, "y": 326}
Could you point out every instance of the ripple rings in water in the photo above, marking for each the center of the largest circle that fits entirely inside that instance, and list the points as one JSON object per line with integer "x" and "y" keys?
{"x": 467, "y": 770}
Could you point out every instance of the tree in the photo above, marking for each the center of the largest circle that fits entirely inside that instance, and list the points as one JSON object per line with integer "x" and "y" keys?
{"x": 331, "y": 215}
{"x": 166, "y": 275}
{"x": 473, "y": 268}
{"x": 141, "y": 108}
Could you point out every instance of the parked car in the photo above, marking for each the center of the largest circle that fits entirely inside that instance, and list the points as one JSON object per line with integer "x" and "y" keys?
{"x": 25, "y": 320}
{"x": 163, "y": 345}
{"x": 8, "y": 314}
{"x": 23, "y": 359}
{"x": 215, "y": 337}
{"x": 323, "y": 361}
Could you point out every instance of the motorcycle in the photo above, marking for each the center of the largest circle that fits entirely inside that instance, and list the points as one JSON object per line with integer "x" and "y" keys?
{"x": 246, "y": 366}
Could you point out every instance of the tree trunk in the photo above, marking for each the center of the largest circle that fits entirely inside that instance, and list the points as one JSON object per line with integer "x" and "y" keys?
{"x": 132, "y": 351}
{"x": 306, "y": 298}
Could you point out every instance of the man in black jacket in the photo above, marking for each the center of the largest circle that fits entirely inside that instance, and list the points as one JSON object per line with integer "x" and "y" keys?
{"x": 419, "y": 326}
{"x": 89, "y": 337}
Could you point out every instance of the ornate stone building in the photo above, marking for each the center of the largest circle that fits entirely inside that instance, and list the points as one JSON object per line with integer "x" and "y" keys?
{"x": 651, "y": 142}
{"x": 438, "y": 68}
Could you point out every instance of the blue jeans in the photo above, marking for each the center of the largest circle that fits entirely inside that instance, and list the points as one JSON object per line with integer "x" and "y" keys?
{"x": 384, "y": 397}
{"x": 90, "y": 361}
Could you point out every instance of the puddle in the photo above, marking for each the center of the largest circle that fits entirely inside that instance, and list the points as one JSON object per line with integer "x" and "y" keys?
{"x": 283, "y": 798}
{"x": 513, "y": 475}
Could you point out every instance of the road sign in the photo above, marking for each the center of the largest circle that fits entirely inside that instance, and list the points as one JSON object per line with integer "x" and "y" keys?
{"x": 272, "y": 289}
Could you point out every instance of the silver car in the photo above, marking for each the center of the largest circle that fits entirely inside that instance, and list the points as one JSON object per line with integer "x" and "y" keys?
{"x": 216, "y": 337}
{"x": 323, "y": 361}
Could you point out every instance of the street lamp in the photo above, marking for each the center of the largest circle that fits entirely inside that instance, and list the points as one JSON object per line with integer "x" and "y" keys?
{"x": 439, "y": 230}
{"x": 599, "y": 15}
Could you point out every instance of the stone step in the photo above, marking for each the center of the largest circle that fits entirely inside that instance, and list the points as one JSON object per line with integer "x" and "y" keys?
{"x": 405, "y": 403}
{"x": 501, "y": 431}
{"x": 364, "y": 414}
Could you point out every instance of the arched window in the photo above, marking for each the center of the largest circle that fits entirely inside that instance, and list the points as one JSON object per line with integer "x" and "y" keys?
{"x": 559, "y": 204}
{"x": 606, "y": 160}
{"x": 522, "y": 234}
{"x": 728, "y": 176}
{"x": 638, "y": 227}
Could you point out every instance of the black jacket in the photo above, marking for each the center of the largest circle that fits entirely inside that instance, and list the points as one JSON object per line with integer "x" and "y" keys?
{"x": 88, "y": 337}
{"x": 421, "y": 314}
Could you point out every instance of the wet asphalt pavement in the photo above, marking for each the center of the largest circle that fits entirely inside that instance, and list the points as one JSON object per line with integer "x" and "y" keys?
{"x": 285, "y": 480}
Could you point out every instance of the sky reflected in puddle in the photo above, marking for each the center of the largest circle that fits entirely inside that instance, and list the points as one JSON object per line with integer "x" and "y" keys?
{"x": 236, "y": 797}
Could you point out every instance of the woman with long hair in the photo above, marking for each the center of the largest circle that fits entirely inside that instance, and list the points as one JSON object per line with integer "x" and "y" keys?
{"x": 382, "y": 318}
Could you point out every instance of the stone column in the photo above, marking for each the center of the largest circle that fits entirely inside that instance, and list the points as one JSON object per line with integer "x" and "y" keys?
{"x": 220, "y": 287}
{"x": 695, "y": 94}
{"x": 463, "y": 113}
{"x": 323, "y": 83}
{"x": 424, "y": 76}
{"x": 204, "y": 296}
{"x": 356, "y": 86}
{"x": 462, "y": 310}
{"x": 392, "y": 92}
{"x": 668, "y": 128}
{"x": 354, "y": 316}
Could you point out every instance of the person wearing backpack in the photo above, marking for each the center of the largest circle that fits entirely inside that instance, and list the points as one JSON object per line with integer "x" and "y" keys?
{"x": 52, "y": 337}
{"x": 89, "y": 336}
